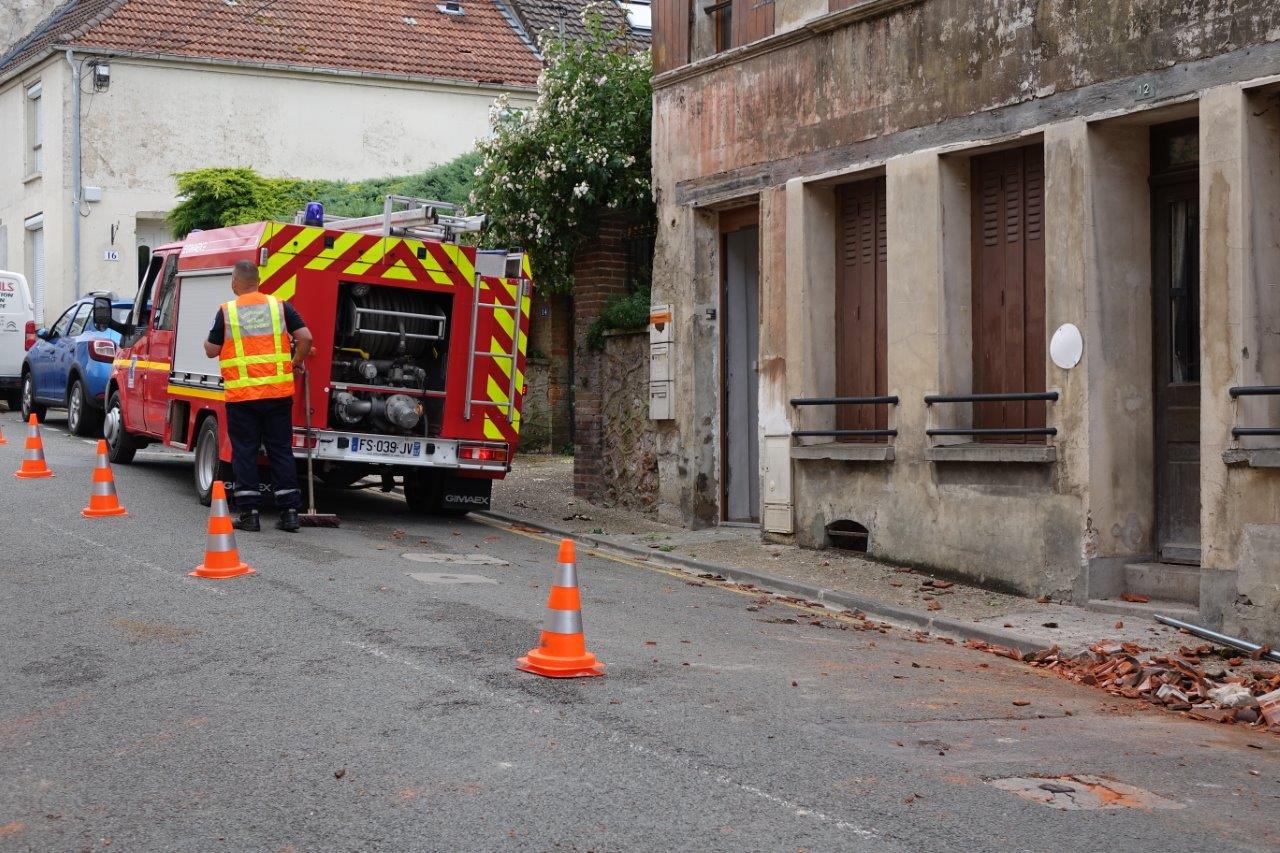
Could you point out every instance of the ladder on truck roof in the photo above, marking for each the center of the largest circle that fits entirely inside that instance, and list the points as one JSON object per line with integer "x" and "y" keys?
{"x": 407, "y": 216}
{"x": 497, "y": 264}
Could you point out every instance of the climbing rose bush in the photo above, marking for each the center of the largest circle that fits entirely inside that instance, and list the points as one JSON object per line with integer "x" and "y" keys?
{"x": 547, "y": 172}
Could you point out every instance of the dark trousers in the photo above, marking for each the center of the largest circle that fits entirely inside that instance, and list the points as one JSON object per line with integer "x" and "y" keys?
{"x": 267, "y": 424}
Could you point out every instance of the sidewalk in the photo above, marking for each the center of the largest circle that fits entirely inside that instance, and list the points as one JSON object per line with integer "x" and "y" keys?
{"x": 539, "y": 493}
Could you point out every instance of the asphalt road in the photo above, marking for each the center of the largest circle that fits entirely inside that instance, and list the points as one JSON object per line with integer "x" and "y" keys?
{"x": 333, "y": 701}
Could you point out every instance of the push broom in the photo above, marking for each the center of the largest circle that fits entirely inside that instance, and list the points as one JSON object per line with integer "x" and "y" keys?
{"x": 311, "y": 518}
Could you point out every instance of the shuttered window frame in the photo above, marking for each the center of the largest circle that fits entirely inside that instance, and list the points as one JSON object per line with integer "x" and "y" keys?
{"x": 1009, "y": 342}
{"x": 862, "y": 343}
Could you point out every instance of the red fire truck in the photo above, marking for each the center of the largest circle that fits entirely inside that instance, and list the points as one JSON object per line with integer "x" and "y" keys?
{"x": 417, "y": 372}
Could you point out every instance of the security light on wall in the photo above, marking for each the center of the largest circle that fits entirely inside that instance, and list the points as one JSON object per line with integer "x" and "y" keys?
{"x": 101, "y": 75}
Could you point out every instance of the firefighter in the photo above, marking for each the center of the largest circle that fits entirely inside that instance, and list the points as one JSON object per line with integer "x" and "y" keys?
{"x": 250, "y": 339}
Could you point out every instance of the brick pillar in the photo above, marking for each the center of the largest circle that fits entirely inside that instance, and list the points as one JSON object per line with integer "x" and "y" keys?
{"x": 600, "y": 272}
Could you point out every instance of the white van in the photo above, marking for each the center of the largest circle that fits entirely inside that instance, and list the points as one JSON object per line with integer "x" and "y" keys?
{"x": 17, "y": 334}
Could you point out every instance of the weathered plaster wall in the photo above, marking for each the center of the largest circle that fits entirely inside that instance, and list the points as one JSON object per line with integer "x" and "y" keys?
{"x": 912, "y": 93}
{"x": 629, "y": 461}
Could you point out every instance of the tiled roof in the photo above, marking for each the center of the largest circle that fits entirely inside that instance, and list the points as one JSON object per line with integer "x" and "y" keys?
{"x": 552, "y": 17}
{"x": 401, "y": 37}
{"x": 62, "y": 23}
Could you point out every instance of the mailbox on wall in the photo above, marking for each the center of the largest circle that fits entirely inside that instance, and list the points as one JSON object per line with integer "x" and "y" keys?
{"x": 661, "y": 384}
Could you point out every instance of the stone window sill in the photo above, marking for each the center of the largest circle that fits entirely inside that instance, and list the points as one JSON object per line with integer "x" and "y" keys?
{"x": 34, "y": 176}
{"x": 1252, "y": 457}
{"x": 1036, "y": 454}
{"x": 839, "y": 451}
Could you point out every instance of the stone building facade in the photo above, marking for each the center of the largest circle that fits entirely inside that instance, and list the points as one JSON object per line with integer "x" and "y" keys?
{"x": 1072, "y": 205}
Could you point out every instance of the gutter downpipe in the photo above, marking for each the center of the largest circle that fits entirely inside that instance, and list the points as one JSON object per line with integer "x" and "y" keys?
{"x": 76, "y": 174}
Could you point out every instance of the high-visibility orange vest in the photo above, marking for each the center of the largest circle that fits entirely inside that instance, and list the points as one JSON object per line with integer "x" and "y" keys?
{"x": 255, "y": 359}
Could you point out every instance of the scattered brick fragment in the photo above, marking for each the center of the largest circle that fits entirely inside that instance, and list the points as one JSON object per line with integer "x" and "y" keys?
{"x": 1134, "y": 598}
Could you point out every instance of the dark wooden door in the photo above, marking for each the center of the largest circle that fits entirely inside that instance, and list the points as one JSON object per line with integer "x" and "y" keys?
{"x": 740, "y": 347}
{"x": 1008, "y": 287}
{"x": 862, "y": 305}
{"x": 1175, "y": 218}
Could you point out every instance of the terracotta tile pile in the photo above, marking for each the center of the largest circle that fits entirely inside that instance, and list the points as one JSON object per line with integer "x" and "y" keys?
{"x": 1182, "y": 682}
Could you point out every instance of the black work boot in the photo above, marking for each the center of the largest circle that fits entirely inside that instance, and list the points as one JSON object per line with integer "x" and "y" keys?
{"x": 248, "y": 520}
{"x": 288, "y": 521}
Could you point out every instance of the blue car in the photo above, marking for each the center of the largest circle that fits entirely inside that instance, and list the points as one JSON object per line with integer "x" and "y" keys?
{"x": 68, "y": 366}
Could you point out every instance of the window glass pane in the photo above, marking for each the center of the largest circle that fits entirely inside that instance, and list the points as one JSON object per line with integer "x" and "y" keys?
{"x": 82, "y": 316}
{"x": 1184, "y": 292}
{"x": 168, "y": 292}
{"x": 64, "y": 322}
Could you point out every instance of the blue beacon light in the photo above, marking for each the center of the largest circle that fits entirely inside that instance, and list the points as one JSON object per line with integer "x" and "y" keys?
{"x": 314, "y": 214}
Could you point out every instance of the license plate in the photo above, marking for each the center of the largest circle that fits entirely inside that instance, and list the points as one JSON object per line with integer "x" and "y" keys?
{"x": 406, "y": 447}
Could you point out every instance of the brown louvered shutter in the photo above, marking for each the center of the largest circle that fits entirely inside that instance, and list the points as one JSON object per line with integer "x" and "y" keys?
{"x": 861, "y": 304}
{"x": 670, "y": 34}
{"x": 1008, "y": 287}
{"x": 752, "y": 20}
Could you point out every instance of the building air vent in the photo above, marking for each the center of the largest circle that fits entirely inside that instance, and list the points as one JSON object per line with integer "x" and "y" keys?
{"x": 451, "y": 7}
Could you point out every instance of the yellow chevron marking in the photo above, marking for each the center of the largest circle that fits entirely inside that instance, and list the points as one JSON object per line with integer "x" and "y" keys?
{"x": 374, "y": 253}
{"x": 341, "y": 246}
{"x": 492, "y": 430}
{"x": 297, "y": 246}
{"x": 287, "y": 289}
{"x": 526, "y": 267}
{"x": 505, "y": 320}
{"x": 439, "y": 276}
{"x": 497, "y": 393}
{"x": 182, "y": 391}
{"x": 459, "y": 258}
{"x": 504, "y": 364}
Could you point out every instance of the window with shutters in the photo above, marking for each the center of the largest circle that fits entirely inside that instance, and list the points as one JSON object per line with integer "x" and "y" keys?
{"x": 34, "y": 227}
{"x": 34, "y": 161}
{"x": 1008, "y": 288}
{"x": 739, "y": 22}
{"x": 670, "y": 36}
{"x": 861, "y": 304}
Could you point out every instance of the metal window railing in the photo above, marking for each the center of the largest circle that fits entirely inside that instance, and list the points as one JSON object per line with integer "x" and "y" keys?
{"x": 1009, "y": 397}
{"x": 1254, "y": 391}
{"x": 884, "y": 399}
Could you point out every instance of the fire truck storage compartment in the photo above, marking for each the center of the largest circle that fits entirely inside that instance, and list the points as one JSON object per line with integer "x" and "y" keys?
{"x": 199, "y": 298}
{"x": 390, "y": 353}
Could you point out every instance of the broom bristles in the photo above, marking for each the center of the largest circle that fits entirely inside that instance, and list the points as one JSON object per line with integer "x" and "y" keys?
{"x": 319, "y": 519}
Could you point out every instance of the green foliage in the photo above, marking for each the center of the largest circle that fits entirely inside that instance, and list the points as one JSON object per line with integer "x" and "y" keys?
{"x": 546, "y": 173}
{"x": 620, "y": 312}
{"x": 217, "y": 197}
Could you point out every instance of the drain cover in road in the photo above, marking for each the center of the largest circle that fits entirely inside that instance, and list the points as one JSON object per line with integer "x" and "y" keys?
{"x": 1079, "y": 793}
{"x": 445, "y": 578}
{"x": 456, "y": 559}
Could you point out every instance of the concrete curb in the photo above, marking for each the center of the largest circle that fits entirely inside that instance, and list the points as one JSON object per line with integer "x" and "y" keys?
{"x": 1022, "y": 643}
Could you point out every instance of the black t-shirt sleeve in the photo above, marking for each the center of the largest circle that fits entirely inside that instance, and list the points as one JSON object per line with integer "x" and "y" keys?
{"x": 292, "y": 319}
{"x": 218, "y": 333}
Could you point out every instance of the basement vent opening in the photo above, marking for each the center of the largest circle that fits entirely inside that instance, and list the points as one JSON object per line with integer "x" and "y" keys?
{"x": 848, "y": 535}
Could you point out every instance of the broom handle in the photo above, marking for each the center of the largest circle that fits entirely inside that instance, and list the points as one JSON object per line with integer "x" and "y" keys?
{"x": 306, "y": 408}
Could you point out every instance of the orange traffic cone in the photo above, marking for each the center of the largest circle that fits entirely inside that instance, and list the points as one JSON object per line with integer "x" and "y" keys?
{"x": 103, "y": 500}
{"x": 33, "y": 459}
{"x": 562, "y": 652}
{"x": 221, "y": 559}
{"x": 3, "y": 440}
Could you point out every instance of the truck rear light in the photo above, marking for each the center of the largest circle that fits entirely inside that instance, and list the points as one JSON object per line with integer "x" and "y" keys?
{"x": 101, "y": 350}
{"x": 482, "y": 453}
{"x": 301, "y": 441}
{"x": 30, "y": 335}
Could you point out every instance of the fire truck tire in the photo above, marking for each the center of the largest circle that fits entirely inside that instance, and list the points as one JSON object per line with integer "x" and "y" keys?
{"x": 206, "y": 466}
{"x": 339, "y": 476}
{"x": 120, "y": 445}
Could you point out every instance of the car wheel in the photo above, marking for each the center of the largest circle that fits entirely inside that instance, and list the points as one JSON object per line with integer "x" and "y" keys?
{"x": 29, "y": 405}
{"x": 82, "y": 418}
{"x": 120, "y": 445}
{"x": 206, "y": 467}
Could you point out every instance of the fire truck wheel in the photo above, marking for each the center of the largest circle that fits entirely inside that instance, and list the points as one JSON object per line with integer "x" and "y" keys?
{"x": 206, "y": 464}
{"x": 120, "y": 445}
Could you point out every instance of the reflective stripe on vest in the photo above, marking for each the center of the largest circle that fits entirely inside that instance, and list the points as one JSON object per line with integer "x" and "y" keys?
{"x": 255, "y": 359}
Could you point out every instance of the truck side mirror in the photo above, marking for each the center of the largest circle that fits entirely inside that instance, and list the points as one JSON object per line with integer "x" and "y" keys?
{"x": 102, "y": 319}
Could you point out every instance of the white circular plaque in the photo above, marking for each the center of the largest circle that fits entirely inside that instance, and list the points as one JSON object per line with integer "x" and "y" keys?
{"x": 1066, "y": 347}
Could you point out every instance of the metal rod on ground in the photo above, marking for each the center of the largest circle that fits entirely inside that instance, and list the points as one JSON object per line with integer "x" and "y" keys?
{"x": 1233, "y": 642}
{"x": 312, "y": 518}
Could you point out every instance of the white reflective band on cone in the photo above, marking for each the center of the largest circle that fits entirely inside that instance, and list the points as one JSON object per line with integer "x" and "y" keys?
{"x": 104, "y": 488}
{"x": 222, "y": 542}
{"x": 566, "y": 575}
{"x": 564, "y": 622}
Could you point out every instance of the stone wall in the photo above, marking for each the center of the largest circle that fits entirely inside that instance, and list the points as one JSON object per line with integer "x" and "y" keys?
{"x": 628, "y": 462}
{"x": 546, "y": 424}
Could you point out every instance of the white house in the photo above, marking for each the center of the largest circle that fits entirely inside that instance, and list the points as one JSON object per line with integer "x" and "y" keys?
{"x": 105, "y": 99}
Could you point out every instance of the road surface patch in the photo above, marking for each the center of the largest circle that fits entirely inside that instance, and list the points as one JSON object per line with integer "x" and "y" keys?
{"x": 445, "y": 578}
{"x": 1082, "y": 793}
